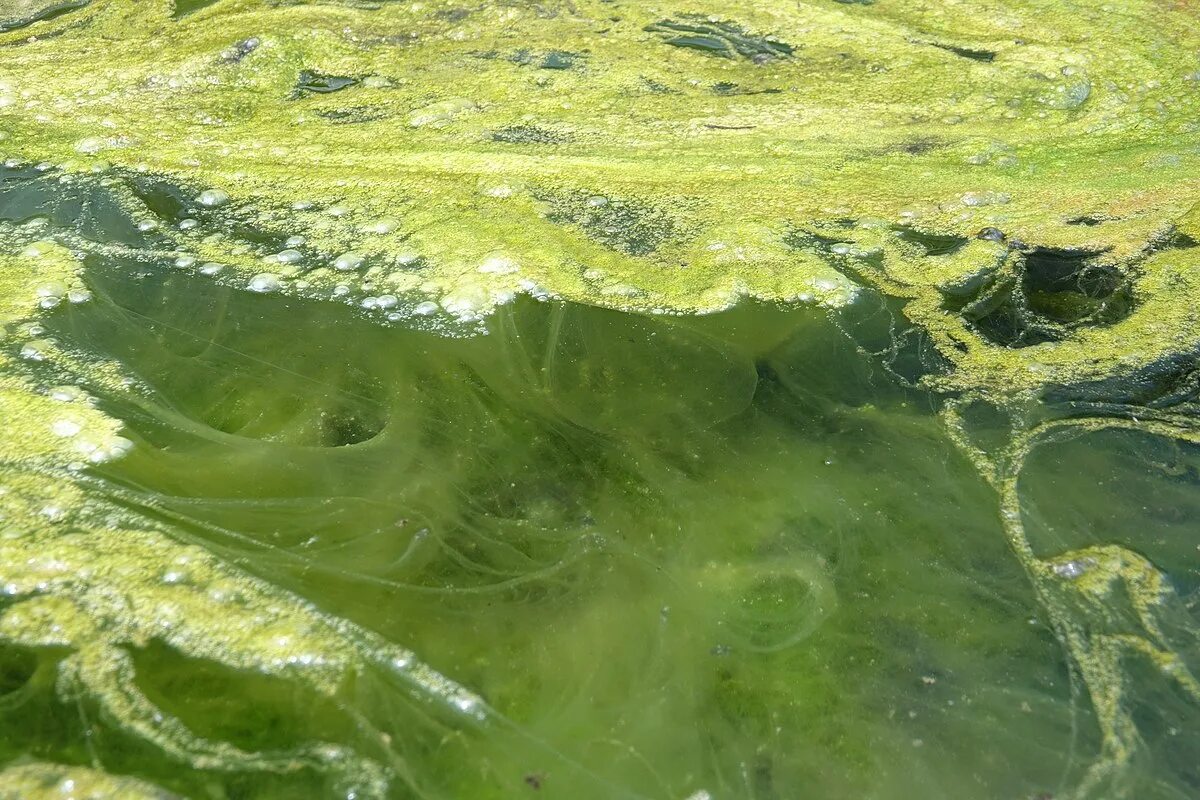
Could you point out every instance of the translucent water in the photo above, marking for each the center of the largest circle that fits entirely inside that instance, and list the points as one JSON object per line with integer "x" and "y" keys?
{"x": 730, "y": 554}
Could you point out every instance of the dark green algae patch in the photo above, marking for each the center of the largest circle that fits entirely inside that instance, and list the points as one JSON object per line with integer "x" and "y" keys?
{"x": 371, "y": 430}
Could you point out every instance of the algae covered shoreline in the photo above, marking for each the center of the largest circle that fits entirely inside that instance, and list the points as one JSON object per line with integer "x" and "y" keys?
{"x": 598, "y": 400}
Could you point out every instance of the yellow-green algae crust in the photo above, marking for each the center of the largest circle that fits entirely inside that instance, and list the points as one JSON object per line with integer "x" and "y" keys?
{"x": 798, "y": 151}
{"x": 39, "y": 781}
{"x": 472, "y": 143}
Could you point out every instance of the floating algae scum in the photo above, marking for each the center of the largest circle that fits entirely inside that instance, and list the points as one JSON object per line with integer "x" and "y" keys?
{"x": 751, "y": 400}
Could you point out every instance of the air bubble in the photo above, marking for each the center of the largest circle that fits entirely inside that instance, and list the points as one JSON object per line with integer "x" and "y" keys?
{"x": 67, "y": 394}
{"x": 288, "y": 256}
{"x": 187, "y": 224}
{"x": 348, "y": 261}
{"x": 1071, "y": 569}
{"x": 79, "y": 296}
{"x": 466, "y": 703}
{"x": 115, "y": 448}
{"x": 381, "y": 227}
{"x": 439, "y": 114}
{"x": 65, "y": 428}
{"x": 264, "y": 282}
{"x": 387, "y": 301}
{"x": 183, "y": 262}
{"x": 211, "y": 268}
{"x": 498, "y": 265}
{"x": 425, "y": 309}
{"x": 211, "y": 198}
{"x": 51, "y": 289}
{"x": 90, "y": 145}
{"x": 985, "y": 198}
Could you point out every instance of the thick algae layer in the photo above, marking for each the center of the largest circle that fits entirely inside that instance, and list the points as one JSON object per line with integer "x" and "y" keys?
{"x": 428, "y": 158}
{"x": 757, "y": 554}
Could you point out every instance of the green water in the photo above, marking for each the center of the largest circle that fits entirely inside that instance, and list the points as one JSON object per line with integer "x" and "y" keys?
{"x": 728, "y": 554}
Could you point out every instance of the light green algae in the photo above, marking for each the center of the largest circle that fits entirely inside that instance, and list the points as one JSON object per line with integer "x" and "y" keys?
{"x": 304, "y": 495}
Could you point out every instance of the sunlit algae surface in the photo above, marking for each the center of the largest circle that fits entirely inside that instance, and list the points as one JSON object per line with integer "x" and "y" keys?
{"x": 595, "y": 399}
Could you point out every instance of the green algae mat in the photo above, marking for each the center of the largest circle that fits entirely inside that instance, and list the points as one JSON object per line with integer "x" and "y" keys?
{"x": 593, "y": 399}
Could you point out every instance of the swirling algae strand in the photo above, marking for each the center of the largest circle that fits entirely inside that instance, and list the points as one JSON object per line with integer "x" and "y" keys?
{"x": 1009, "y": 186}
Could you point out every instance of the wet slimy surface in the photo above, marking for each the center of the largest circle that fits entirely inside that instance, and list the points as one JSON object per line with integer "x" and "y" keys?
{"x": 589, "y": 400}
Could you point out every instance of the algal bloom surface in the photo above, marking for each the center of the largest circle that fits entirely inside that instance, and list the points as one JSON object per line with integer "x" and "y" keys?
{"x": 599, "y": 399}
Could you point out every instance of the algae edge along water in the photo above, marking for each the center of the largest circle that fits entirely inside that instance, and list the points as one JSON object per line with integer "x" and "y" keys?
{"x": 673, "y": 554}
{"x": 670, "y": 553}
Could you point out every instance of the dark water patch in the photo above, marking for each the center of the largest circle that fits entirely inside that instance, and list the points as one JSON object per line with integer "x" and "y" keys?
{"x": 729, "y": 89}
{"x": 185, "y": 7}
{"x": 22, "y": 14}
{"x": 165, "y": 199}
{"x": 721, "y": 39}
{"x": 1126, "y": 487}
{"x": 919, "y": 147}
{"x": 77, "y": 202}
{"x": 970, "y": 53}
{"x": 1052, "y": 292}
{"x": 1168, "y": 383}
{"x": 559, "y": 59}
{"x": 1068, "y": 287}
{"x": 18, "y": 666}
{"x": 353, "y": 116}
{"x": 310, "y": 82}
{"x": 934, "y": 244}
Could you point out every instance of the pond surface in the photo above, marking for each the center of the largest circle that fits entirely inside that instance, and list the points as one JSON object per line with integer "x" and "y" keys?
{"x": 598, "y": 400}
{"x": 735, "y": 554}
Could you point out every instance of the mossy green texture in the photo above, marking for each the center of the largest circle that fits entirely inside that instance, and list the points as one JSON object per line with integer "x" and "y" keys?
{"x": 272, "y": 524}
{"x": 631, "y": 155}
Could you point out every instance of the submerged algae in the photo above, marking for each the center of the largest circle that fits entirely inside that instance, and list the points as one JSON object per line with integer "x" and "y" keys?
{"x": 558, "y": 515}
{"x": 677, "y": 556}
